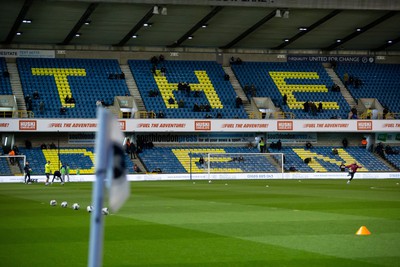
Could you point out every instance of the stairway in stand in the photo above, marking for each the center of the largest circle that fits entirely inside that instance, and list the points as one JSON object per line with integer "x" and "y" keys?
{"x": 133, "y": 89}
{"x": 17, "y": 89}
{"x": 343, "y": 90}
{"x": 239, "y": 90}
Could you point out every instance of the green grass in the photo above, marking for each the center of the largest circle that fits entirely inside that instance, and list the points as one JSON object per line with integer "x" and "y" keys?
{"x": 226, "y": 223}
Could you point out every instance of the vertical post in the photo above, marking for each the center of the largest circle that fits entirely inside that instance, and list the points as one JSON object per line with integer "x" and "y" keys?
{"x": 58, "y": 149}
{"x": 190, "y": 165}
{"x": 208, "y": 165}
{"x": 283, "y": 166}
{"x": 97, "y": 220}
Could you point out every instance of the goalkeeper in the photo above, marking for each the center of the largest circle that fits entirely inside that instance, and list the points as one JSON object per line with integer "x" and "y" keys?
{"x": 352, "y": 170}
{"x": 27, "y": 170}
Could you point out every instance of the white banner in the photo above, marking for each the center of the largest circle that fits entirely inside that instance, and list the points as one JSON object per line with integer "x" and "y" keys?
{"x": 193, "y": 125}
{"x": 287, "y": 137}
{"x": 13, "y": 53}
{"x": 222, "y": 176}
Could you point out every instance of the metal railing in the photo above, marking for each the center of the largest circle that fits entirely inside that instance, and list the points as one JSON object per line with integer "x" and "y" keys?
{"x": 145, "y": 115}
{"x": 277, "y": 115}
{"x": 252, "y": 115}
{"x": 17, "y": 114}
{"x": 380, "y": 116}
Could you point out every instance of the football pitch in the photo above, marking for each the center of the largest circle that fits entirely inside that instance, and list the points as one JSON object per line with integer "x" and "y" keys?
{"x": 225, "y": 223}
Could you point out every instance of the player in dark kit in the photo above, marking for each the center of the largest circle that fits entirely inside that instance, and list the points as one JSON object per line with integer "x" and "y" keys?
{"x": 352, "y": 170}
{"x": 58, "y": 175}
{"x": 27, "y": 170}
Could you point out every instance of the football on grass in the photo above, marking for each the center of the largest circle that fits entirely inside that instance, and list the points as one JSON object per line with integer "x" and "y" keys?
{"x": 53, "y": 202}
{"x": 64, "y": 204}
{"x": 105, "y": 211}
{"x": 89, "y": 209}
{"x": 75, "y": 206}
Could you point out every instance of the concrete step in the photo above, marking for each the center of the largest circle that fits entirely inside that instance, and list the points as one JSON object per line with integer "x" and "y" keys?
{"x": 384, "y": 161}
{"x": 343, "y": 90}
{"x": 139, "y": 164}
{"x": 17, "y": 87}
{"x": 14, "y": 168}
{"x": 132, "y": 86}
{"x": 235, "y": 84}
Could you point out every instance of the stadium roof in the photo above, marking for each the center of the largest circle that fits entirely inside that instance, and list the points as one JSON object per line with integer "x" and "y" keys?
{"x": 259, "y": 24}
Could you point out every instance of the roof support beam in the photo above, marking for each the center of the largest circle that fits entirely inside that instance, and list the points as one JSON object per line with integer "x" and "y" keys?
{"x": 80, "y": 23}
{"x": 310, "y": 28}
{"x": 387, "y": 44}
{"x": 250, "y": 30}
{"x": 197, "y": 26}
{"x": 18, "y": 21}
{"x": 363, "y": 29}
{"x": 136, "y": 28}
{"x": 290, "y": 4}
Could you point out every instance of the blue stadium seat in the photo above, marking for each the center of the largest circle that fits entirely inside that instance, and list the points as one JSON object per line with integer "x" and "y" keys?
{"x": 394, "y": 159}
{"x": 379, "y": 81}
{"x": 165, "y": 159}
{"x": 4, "y": 165}
{"x": 71, "y": 156}
{"x": 5, "y": 85}
{"x": 304, "y": 85}
{"x": 87, "y": 79}
{"x": 361, "y": 155}
{"x": 184, "y": 71}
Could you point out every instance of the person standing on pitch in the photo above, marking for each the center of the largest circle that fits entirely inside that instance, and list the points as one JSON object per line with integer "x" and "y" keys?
{"x": 67, "y": 169}
{"x": 63, "y": 171}
{"x": 47, "y": 172}
{"x": 352, "y": 170}
{"x": 27, "y": 170}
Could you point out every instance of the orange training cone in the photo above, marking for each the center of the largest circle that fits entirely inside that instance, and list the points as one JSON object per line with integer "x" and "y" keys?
{"x": 363, "y": 231}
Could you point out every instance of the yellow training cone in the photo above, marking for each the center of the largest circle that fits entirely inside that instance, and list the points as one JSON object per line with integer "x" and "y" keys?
{"x": 363, "y": 231}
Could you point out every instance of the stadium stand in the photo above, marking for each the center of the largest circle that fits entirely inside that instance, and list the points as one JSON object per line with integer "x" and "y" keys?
{"x": 206, "y": 78}
{"x": 177, "y": 160}
{"x": 300, "y": 81}
{"x": 379, "y": 81}
{"x": 86, "y": 80}
{"x": 4, "y": 165}
{"x": 36, "y": 159}
{"x": 81, "y": 159}
{"x": 292, "y": 160}
{"x": 394, "y": 159}
{"x": 322, "y": 159}
{"x": 5, "y": 85}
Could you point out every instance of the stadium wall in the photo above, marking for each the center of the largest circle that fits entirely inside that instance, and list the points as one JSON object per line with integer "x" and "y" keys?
{"x": 220, "y": 176}
{"x": 237, "y": 139}
{"x": 204, "y": 125}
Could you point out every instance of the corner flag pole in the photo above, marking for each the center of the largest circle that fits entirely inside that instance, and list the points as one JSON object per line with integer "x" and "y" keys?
{"x": 190, "y": 163}
{"x": 97, "y": 221}
{"x": 110, "y": 165}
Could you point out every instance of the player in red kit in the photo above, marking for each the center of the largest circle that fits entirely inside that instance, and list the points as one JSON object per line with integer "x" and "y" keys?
{"x": 352, "y": 170}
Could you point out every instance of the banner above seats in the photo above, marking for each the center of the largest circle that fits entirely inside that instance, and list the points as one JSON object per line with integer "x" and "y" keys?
{"x": 328, "y": 59}
{"x": 205, "y": 125}
{"x": 14, "y": 53}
